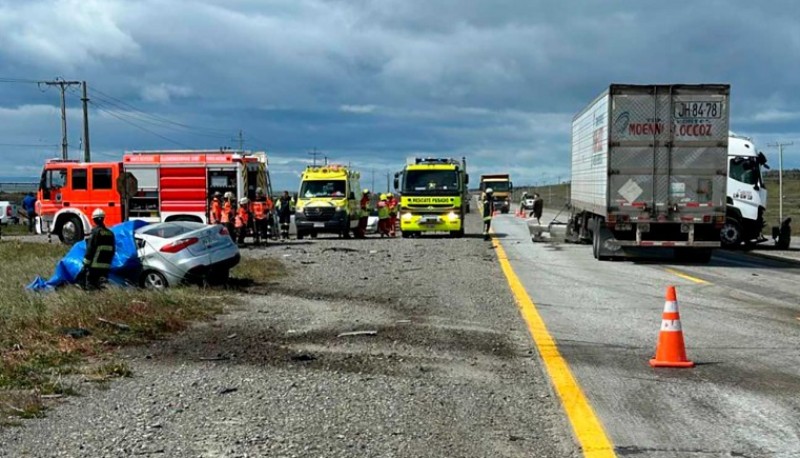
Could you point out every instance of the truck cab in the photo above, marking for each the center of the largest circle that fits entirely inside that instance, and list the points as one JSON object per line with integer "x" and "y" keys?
{"x": 502, "y": 188}
{"x": 69, "y": 191}
{"x": 326, "y": 202}
{"x": 746, "y": 195}
{"x": 433, "y": 196}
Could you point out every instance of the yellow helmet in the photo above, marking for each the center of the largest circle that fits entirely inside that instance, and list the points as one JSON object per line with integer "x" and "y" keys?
{"x": 383, "y": 196}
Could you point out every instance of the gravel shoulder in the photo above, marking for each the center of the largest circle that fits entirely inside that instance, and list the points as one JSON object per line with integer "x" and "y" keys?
{"x": 444, "y": 367}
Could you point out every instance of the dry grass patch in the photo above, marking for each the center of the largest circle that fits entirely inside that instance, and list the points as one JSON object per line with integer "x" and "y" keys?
{"x": 47, "y": 336}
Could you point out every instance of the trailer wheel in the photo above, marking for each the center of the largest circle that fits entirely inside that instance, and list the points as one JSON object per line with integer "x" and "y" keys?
{"x": 731, "y": 233}
{"x": 596, "y": 244}
{"x": 71, "y": 231}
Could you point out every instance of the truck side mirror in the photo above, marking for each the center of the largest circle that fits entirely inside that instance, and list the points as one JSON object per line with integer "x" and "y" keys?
{"x": 396, "y": 182}
{"x": 466, "y": 179}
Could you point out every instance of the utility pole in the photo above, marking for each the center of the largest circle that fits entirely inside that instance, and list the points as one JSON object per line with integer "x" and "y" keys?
{"x": 314, "y": 154}
{"x": 780, "y": 146}
{"x": 241, "y": 141}
{"x": 63, "y": 86}
{"x": 373, "y": 180}
{"x": 87, "y": 155}
{"x": 388, "y": 189}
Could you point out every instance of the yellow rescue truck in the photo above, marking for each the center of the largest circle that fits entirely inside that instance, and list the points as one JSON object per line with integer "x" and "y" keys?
{"x": 327, "y": 201}
{"x": 433, "y": 196}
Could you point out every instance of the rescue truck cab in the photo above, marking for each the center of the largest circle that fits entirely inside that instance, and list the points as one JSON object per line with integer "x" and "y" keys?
{"x": 153, "y": 186}
{"x": 433, "y": 196}
{"x": 326, "y": 202}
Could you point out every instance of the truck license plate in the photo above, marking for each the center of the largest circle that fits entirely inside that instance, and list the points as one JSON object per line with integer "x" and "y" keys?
{"x": 693, "y": 110}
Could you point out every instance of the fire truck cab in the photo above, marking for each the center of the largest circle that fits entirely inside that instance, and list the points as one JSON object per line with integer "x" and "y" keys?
{"x": 169, "y": 186}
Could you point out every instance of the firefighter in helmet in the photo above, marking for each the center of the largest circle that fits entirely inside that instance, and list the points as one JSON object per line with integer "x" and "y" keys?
{"x": 260, "y": 211}
{"x": 242, "y": 220}
{"x": 363, "y": 216}
{"x": 488, "y": 211}
{"x": 215, "y": 213}
{"x": 100, "y": 247}
{"x": 227, "y": 216}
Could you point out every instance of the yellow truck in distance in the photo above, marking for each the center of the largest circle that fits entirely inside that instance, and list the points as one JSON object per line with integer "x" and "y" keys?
{"x": 433, "y": 196}
{"x": 501, "y": 186}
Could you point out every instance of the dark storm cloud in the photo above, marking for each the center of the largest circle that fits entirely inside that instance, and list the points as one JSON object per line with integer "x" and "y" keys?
{"x": 374, "y": 82}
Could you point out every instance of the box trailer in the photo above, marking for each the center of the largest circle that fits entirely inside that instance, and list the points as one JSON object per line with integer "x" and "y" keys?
{"x": 649, "y": 170}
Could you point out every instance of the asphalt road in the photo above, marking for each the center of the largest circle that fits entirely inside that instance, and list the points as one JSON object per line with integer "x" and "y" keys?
{"x": 741, "y": 322}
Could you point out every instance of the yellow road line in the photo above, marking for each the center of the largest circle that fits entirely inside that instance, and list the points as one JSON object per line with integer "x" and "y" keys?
{"x": 699, "y": 281}
{"x": 585, "y": 424}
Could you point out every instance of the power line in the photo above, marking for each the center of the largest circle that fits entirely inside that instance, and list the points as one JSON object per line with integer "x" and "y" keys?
{"x": 111, "y": 100}
{"x": 126, "y": 121}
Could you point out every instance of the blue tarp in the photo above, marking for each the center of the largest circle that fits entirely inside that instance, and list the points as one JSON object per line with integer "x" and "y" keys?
{"x": 125, "y": 267}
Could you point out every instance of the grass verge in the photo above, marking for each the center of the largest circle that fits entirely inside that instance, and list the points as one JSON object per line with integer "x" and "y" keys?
{"x": 49, "y": 338}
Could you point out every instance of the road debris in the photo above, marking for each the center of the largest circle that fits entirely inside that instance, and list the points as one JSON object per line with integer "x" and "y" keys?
{"x": 120, "y": 326}
{"x": 358, "y": 333}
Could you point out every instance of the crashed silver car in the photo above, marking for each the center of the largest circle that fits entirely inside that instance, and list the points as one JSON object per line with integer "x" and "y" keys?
{"x": 184, "y": 252}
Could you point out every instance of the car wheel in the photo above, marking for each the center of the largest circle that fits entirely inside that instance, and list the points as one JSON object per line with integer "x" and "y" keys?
{"x": 219, "y": 277}
{"x": 154, "y": 280}
{"x": 731, "y": 233}
{"x": 71, "y": 231}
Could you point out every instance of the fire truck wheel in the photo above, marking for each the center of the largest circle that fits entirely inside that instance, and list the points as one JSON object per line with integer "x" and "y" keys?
{"x": 153, "y": 280}
{"x": 71, "y": 231}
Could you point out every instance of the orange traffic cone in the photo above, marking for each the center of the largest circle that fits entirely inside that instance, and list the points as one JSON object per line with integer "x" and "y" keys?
{"x": 670, "y": 351}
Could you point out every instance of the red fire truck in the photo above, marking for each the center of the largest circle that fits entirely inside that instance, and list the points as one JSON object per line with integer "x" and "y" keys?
{"x": 168, "y": 186}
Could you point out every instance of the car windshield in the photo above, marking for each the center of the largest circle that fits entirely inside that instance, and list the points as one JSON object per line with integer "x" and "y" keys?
{"x": 745, "y": 169}
{"x": 431, "y": 181}
{"x": 323, "y": 188}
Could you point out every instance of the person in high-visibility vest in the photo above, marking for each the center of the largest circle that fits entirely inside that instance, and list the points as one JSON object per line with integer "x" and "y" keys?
{"x": 363, "y": 215}
{"x": 259, "y": 210}
{"x": 383, "y": 216}
{"x": 392, "y": 203}
{"x": 242, "y": 220}
{"x": 100, "y": 248}
{"x": 226, "y": 217}
{"x": 215, "y": 213}
{"x": 488, "y": 211}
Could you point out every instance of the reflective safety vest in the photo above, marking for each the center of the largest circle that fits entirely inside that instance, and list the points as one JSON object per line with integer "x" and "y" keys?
{"x": 383, "y": 210}
{"x": 392, "y": 203}
{"x": 100, "y": 248}
{"x": 259, "y": 210}
{"x": 488, "y": 209}
{"x": 365, "y": 207}
{"x": 241, "y": 217}
{"x": 216, "y": 212}
{"x": 225, "y": 218}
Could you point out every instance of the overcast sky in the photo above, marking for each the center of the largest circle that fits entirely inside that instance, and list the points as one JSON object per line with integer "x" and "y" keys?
{"x": 373, "y": 83}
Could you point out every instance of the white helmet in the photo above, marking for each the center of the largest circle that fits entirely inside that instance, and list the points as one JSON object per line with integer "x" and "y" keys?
{"x": 98, "y": 214}
{"x": 489, "y": 190}
{"x": 244, "y": 201}
{"x": 229, "y": 195}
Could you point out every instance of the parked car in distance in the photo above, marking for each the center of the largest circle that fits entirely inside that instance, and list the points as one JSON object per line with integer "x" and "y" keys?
{"x": 527, "y": 204}
{"x": 184, "y": 252}
{"x": 8, "y": 213}
{"x": 372, "y": 222}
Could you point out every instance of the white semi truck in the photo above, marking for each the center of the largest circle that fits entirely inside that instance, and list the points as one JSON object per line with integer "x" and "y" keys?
{"x": 649, "y": 170}
{"x": 747, "y": 198}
